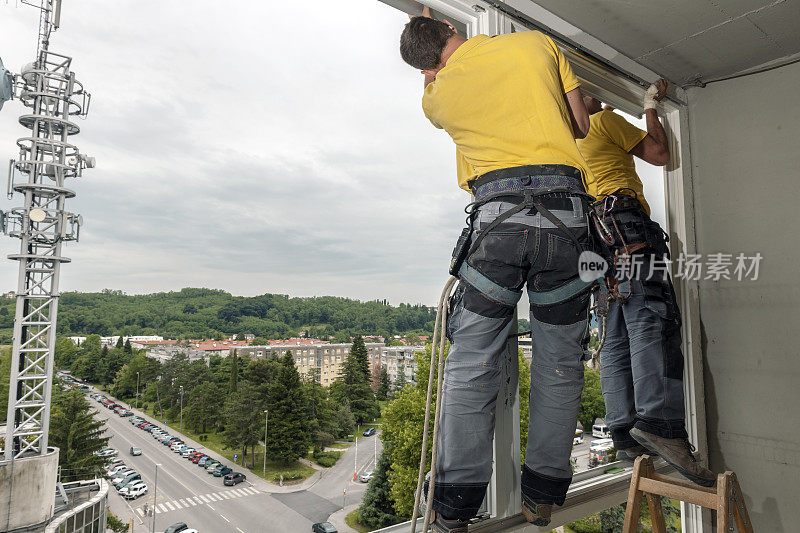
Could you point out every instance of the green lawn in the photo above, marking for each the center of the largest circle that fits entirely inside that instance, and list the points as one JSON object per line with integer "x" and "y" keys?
{"x": 352, "y": 520}
{"x": 294, "y": 472}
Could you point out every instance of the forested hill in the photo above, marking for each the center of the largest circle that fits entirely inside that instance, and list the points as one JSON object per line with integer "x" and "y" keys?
{"x": 208, "y": 313}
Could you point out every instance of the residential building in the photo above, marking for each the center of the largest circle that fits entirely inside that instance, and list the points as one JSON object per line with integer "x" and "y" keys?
{"x": 400, "y": 359}
{"x": 321, "y": 359}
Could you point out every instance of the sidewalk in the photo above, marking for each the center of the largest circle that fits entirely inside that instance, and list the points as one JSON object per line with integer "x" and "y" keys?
{"x": 337, "y": 519}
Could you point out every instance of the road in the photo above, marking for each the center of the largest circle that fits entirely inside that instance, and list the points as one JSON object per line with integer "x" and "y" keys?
{"x": 186, "y": 493}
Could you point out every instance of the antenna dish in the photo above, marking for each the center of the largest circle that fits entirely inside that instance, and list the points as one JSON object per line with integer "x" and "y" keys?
{"x": 36, "y": 214}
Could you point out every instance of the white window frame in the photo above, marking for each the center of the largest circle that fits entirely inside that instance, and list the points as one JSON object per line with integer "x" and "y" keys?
{"x": 591, "y": 491}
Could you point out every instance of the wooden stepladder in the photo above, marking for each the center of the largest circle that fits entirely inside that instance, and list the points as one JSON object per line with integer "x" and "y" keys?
{"x": 726, "y": 498}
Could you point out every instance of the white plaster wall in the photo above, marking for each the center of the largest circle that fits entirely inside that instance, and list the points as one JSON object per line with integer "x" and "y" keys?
{"x": 29, "y": 488}
{"x": 746, "y": 175}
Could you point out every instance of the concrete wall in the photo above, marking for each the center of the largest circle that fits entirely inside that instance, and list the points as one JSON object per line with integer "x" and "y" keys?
{"x": 29, "y": 487}
{"x": 746, "y": 157}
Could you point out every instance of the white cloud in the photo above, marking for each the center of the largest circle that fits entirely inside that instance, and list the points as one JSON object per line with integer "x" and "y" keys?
{"x": 256, "y": 147}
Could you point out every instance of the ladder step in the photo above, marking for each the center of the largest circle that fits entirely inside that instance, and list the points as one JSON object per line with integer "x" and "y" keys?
{"x": 677, "y": 492}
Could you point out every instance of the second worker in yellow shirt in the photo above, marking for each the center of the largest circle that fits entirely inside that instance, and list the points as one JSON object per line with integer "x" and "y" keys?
{"x": 642, "y": 374}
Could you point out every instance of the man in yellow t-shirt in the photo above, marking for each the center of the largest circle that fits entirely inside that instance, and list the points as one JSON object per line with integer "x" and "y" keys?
{"x": 642, "y": 374}
{"x": 512, "y": 106}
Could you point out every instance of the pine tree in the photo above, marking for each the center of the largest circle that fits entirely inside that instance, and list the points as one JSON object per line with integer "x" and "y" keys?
{"x": 384, "y": 384}
{"x": 128, "y": 348}
{"x": 353, "y": 388}
{"x": 356, "y": 366}
{"x": 401, "y": 382}
{"x": 243, "y": 419}
{"x": 288, "y": 436}
{"x": 377, "y": 509}
{"x": 234, "y": 379}
{"x": 120, "y": 343}
{"x": 77, "y": 434}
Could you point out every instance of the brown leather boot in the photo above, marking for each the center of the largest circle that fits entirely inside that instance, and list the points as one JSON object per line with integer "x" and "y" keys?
{"x": 678, "y": 453}
{"x": 537, "y": 514}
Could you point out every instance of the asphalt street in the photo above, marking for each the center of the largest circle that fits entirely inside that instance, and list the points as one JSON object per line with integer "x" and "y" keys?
{"x": 186, "y": 493}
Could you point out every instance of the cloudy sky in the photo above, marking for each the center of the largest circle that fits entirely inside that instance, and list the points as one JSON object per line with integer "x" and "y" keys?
{"x": 253, "y": 147}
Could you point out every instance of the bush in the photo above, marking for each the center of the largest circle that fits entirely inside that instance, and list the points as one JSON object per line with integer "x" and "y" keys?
{"x": 326, "y": 459}
{"x": 115, "y": 524}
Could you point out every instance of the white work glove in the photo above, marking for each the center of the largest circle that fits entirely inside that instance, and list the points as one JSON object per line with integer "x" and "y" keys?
{"x": 650, "y": 97}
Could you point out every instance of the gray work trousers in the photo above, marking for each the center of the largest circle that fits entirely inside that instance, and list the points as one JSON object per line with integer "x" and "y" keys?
{"x": 642, "y": 376}
{"x": 525, "y": 249}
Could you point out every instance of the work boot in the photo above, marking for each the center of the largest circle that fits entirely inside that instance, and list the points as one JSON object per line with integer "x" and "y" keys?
{"x": 441, "y": 525}
{"x": 678, "y": 453}
{"x": 537, "y": 512}
{"x": 630, "y": 454}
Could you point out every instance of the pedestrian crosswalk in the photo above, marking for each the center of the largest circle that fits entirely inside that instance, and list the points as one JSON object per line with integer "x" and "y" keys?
{"x": 201, "y": 499}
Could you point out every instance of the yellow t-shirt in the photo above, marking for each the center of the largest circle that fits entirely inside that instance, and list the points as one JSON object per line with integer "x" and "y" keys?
{"x": 606, "y": 149}
{"x": 501, "y": 99}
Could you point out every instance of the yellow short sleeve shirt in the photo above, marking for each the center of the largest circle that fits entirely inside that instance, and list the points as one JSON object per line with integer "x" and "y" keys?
{"x": 606, "y": 148}
{"x": 501, "y": 99}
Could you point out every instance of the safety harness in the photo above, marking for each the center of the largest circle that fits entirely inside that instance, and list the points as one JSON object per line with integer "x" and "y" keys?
{"x": 530, "y": 187}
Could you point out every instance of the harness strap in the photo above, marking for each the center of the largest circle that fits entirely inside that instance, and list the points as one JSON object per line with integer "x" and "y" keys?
{"x": 546, "y": 213}
{"x": 489, "y": 288}
{"x": 559, "y": 294}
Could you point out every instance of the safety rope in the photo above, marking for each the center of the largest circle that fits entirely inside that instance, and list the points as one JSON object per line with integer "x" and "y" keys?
{"x": 437, "y": 361}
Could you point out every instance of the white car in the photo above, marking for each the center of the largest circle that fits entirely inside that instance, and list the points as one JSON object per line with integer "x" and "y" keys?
{"x": 134, "y": 491}
{"x": 365, "y": 477}
{"x": 186, "y": 452}
{"x": 120, "y": 476}
{"x": 114, "y": 470}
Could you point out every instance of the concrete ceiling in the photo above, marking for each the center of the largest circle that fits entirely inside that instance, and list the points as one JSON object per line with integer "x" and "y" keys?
{"x": 684, "y": 39}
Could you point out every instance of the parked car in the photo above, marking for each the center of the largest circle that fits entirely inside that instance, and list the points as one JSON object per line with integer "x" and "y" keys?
{"x": 176, "y": 528}
{"x": 323, "y": 527}
{"x": 136, "y": 451}
{"x": 199, "y": 457}
{"x": 365, "y": 477}
{"x": 134, "y": 491}
{"x": 120, "y": 475}
{"x": 119, "y": 481}
{"x": 107, "y": 452}
{"x": 111, "y": 472}
{"x": 187, "y": 452}
{"x": 222, "y": 471}
{"x": 234, "y": 478}
{"x": 126, "y": 413}
{"x": 202, "y": 461}
{"x": 370, "y": 431}
{"x": 210, "y": 467}
{"x": 129, "y": 480}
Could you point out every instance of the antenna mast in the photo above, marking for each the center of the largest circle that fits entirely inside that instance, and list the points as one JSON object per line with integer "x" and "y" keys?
{"x": 46, "y": 158}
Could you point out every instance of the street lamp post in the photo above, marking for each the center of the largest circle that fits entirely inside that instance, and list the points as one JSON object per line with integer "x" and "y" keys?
{"x": 137, "y": 390}
{"x": 155, "y": 499}
{"x": 181, "y": 387}
{"x": 266, "y": 421}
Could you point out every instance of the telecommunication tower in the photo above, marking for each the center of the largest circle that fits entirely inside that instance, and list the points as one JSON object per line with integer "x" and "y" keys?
{"x": 50, "y": 90}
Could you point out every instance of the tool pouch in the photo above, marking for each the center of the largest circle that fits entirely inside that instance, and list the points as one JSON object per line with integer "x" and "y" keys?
{"x": 460, "y": 251}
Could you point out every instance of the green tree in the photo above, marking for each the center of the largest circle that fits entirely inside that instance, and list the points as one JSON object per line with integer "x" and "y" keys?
{"x": 288, "y": 436}
{"x": 403, "y": 421}
{"x": 384, "y": 384}
{"x": 345, "y": 422}
{"x": 524, "y": 394}
{"x": 77, "y": 434}
{"x": 125, "y": 381}
{"x": 321, "y": 414}
{"x": 65, "y": 352}
{"x": 127, "y": 347}
{"x": 353, "y": 387}
{"x": 203, "y": 406}
{"x": 592, "y": 405}
{"x": 377, "y": 509}
{"x": 234, "y": 376}
{"x": 120, "y": 343}
{"x": 400, "y": 382}
{"x": 5, "y": 377}
{"x": 243, "y": 419}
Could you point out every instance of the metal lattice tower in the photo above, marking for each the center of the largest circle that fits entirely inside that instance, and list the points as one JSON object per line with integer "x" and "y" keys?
{"x": 46, "y": 159}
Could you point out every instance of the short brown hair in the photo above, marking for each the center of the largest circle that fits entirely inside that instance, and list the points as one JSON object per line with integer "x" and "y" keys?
{"x": 423, "y": 41}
